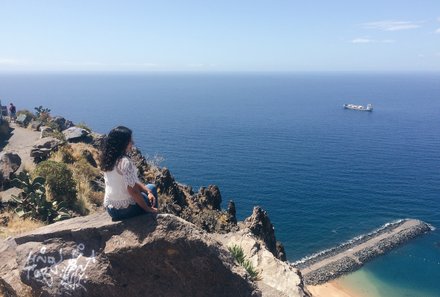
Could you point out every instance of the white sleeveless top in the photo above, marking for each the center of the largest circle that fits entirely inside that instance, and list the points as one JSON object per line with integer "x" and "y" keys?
{"x": 124, "y": 174}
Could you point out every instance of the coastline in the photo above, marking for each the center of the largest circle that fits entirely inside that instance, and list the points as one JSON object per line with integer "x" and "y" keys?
{"x": 352, "y": 255}
{"x": 333, "y": 288}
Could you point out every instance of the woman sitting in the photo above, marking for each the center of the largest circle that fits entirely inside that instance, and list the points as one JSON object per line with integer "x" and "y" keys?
{"x": 125, "y": 196}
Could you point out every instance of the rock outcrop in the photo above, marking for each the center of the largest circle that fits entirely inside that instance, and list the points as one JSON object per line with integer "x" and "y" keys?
{"x": 44, "y": 147}
{"x": 61, "y": 123}
{"x": 76, "y": 134}
{"x": 9, "y": 164}
{"x": 259, "y": 225}
{"x": 144, "y": 256}
{"x": 276, "y": 278}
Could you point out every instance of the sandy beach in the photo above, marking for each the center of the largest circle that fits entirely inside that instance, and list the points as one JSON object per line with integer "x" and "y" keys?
{"x": 331, "y": 289}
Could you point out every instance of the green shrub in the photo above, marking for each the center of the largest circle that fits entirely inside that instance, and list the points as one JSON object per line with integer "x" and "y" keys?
{"x": 253, "y": 272}
{"x": 83, "y": 171}
{"x": 238, "y": 254}
{"x": 59, "y": 181}
{"x": 32, "y": 201}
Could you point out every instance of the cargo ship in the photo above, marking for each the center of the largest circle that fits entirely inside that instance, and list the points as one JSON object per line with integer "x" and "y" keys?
{"x": 369, "y": 107}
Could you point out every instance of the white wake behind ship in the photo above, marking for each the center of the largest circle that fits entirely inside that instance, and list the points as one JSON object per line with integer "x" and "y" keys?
{"x": 369, "y": 107}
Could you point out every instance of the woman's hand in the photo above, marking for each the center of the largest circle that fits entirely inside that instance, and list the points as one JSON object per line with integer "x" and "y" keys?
{"x": 152, "y": 199}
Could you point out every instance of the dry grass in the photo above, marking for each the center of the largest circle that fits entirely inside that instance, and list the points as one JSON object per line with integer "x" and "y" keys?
{"x": 16, "y": 225}
{"x": 83, "y": 174}
{"x": 96, "y": 198}
{"x": 78, "y": 148}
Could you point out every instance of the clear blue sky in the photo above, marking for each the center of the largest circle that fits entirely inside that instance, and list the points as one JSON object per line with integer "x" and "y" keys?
{"x": 219, "y": 35}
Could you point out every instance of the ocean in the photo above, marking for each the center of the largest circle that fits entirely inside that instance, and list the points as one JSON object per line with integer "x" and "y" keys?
{"x": 284, "y": 142}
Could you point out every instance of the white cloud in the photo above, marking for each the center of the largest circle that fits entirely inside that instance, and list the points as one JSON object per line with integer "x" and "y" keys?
{"x": 392, "y": 25}
{"x": 368, "y": 40}
{"x": 437, "y": 31}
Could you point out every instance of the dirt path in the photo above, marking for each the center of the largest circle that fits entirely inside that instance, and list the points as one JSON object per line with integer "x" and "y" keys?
{"x": 21, "y": 143}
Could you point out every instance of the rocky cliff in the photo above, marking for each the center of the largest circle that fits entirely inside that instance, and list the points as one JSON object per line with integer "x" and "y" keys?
{"x": 147, "y": 255}
{"x": 181, "y": 252}
{"x": 144, "y": 256}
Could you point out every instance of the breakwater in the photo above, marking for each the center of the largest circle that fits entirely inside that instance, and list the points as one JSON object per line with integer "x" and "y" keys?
{"x": 351, "y": 255}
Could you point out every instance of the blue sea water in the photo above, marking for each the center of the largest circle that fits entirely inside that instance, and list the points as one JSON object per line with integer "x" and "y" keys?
{"x": 282, "y": 141}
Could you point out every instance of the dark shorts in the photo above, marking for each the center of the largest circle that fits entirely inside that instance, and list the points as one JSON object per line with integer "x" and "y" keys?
{"x": 133, "y": 210}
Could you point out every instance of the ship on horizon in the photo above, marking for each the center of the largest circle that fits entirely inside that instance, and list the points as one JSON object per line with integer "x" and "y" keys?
{"x": 369, "y": 107}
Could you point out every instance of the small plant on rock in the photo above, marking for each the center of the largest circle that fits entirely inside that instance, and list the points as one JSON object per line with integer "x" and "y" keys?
{"x": 32, "y": 201}
{"x": 238, "y": 254}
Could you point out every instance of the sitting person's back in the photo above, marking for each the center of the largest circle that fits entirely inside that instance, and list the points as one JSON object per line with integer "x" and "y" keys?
{"x": 125, "y": 196}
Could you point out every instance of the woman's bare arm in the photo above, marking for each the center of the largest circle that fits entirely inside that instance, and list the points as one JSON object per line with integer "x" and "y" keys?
{"x": 143, "y": 188}
{"x": 136, "y": 194}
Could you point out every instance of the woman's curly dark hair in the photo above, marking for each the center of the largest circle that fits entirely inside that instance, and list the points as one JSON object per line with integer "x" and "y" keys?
{"x": 114, "y": 146}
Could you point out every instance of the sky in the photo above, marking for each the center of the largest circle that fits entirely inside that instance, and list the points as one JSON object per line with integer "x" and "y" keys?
{"x": 221, "y": 35}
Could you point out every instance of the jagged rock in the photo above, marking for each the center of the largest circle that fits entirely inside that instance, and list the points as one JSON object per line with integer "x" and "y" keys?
{"x": 167, "y": 186}
{"x": 276, "y": 278}
{"x": 45, "y": 131}
{"x": 140, "y": 161}
{"x": 281, "y": 252}
{"x": 232, "y": 211}
{"x": 210, "y": 197}
{"x": 141, "y": 256}
{"x": 9, "y": 164}
{"x": 259, "y": 224}
{"x": 202, "y": 208}
{"x": 43, "y": 147}
{"x": 61, "y": 123}
{"x": 76, "y": 134}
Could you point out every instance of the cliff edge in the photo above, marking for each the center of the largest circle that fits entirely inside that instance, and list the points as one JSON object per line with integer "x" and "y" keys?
{"x": 147, "y": 255}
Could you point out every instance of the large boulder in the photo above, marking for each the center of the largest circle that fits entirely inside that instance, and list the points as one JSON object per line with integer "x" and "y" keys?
{"x": 77, "y": 134}
{"x": 9, "y": 164}
{"x": 147, "y": 255}
{"x": 61, "y": 123}
{"x": 42, "y": 148}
